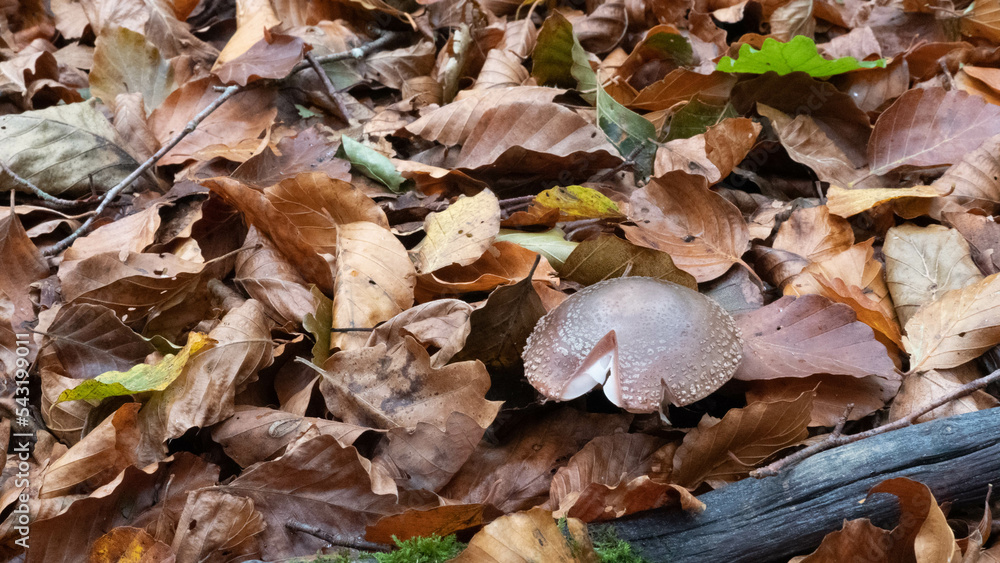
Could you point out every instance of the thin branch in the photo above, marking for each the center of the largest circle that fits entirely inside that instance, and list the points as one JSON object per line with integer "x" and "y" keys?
{"x": 331, "y": 91}
{"x": 357, "y": 52}
{"x": 51, "y": 199}
{"x": 113, "y": 192}
{"x": 337, "y": 539}
{"x": 839, "y": 440}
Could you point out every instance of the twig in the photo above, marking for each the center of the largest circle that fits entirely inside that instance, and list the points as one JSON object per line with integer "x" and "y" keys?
{"x": 331, "y": 91}
{"x": 113, "y": 192}
{"x": 628, "y": 162}
{"x": 357, "y": 52}
{"x": 835, "y": 440}
{"x": 337, "y": 539}
{"x": 53, "y": 200}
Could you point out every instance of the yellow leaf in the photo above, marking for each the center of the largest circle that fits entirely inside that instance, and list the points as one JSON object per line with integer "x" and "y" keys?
{"x": 847, "y": 203}
{"x": 578, "y": 201}
{"x": 142, "y": 377}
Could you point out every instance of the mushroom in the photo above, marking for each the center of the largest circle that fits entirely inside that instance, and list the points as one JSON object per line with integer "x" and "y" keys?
{"x": 662, "y": 342}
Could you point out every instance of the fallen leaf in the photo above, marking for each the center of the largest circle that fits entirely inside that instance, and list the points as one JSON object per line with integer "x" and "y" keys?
{"x": 956, "y": 327}
{"x": 849, "y": 202}
{"x": 373, "y": 280}
{"x": 124, "y": 62}
{"x": 921, "y": 389}
{"x": 130, "y": 545}
{"x": 814, "y": 234}
{"x": 527, "y": 536}
{"x": 142, "y": 377}
{"x": 357, "y": 388}
{"x": 66, "y": 149}
{"x": 923, "y": 530}
{"x": 609, "y": 257}
{"x": 459, "y": 234}
{"x": 722, "y": 451}
{"x": 923, "y": 263}
{"x": 214, "y": 521}
{"x": 930, "y": 127}
{"x": 703, "y": 233}
{"x": 808, "y": 335}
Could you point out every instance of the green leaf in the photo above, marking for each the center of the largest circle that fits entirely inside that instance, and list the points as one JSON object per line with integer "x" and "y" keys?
{"x": 696, "y": 117}
{"x": 319, "y": 326}
{"x": 551, "y": 244}
{"x": 632, "y": 134}
{"x": 558, "y": 58}
{"x": 140, "y": 378}
{"x": 665, "y": 45}
{"x": 371, "y": 163}
{"x": 798, "y": 55}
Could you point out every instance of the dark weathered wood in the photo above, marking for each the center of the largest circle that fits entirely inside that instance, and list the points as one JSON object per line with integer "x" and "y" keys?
{"x": 777, "y": 517}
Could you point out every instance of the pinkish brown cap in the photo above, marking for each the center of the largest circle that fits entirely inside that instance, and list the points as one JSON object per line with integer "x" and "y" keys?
{"x": 661, "y": 341}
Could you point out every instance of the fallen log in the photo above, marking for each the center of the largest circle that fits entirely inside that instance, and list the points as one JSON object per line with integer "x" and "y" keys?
{"x": 775, "y": 518}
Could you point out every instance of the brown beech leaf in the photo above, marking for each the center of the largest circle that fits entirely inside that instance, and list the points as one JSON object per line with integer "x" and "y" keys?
{"x": 612, "y": 461}
{"x": 441, "y": 520}
{"x": 609, "y": 257}
{"x": 975, "y": 179}
{"x": 728, "y": 142}
{"x": 529, "y": 536}
{"x": 833, "y": 394}
{"x": 921, "y": 389}
{"x": 957, "y": 327}
{"x": 503, "y": 263}
{"x": 309, "y": 151}
{"x": 129, "y": 234}
{"x": 686, "y": 155}
{"x": 261, "y": 213}
{"x": 395, "y": 67}
{"x": 256, "y": 434}
{"x": 930, "y": 127}
{"x": 267, "y": 276}
{"x": 452, "y": 124}
{"x": 703, "y": 233}
{"x": 798, "y": 337}
{"x": 427, "y": 457}
{"x": 96, "y": 459}
{"x": 922, "y": 263}
{"x": 244, "y": 116}
{"x": 603, "y": 28}
{"x": 124, "y": 62}
{"x": 983, "y": 234}
{"x": 213, "y": 521}
{"x": 459, "y": 234}
{"x": 368, "y": 388}
{"x": 133, "y": 287}
{"x": 373, "y": 280}
{"x": 144, "y": 491}
{"x": 516, "y": 474}
{"x": 316, "y": 204}
{"x": 854, "y": 278}
{"x": 442, "y": 324}
{"x": 274, "y": 56}
{"x": 849, "y": 202}
{"x": 319, "y": 483}
{"x": 87, "y": 340}
{"x": 500, "y": 328}
{"x": 534, "y": 137}
{"x": 848, "y": 542}
{"x": 807, "y": 144}
{"x": 130, "y": 544}
{"x": 776, "y": 267}
{"x": 681, "y": 85}
{"x": 722, "y": 451}
{"x": 833, "y": 111}
{"x": 923, "y": 532}
{"x": 23, "y": 265}
{"x": 815, "y": 234}
{"x": 502, "y": 69}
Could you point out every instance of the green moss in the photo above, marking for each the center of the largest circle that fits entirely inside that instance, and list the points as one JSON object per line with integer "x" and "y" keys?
{"x": 432, "y": 549}
{"x": 611, "y": 549}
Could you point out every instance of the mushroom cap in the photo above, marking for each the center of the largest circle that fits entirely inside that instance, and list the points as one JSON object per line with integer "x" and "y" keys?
{"x": 662, "y": 342}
